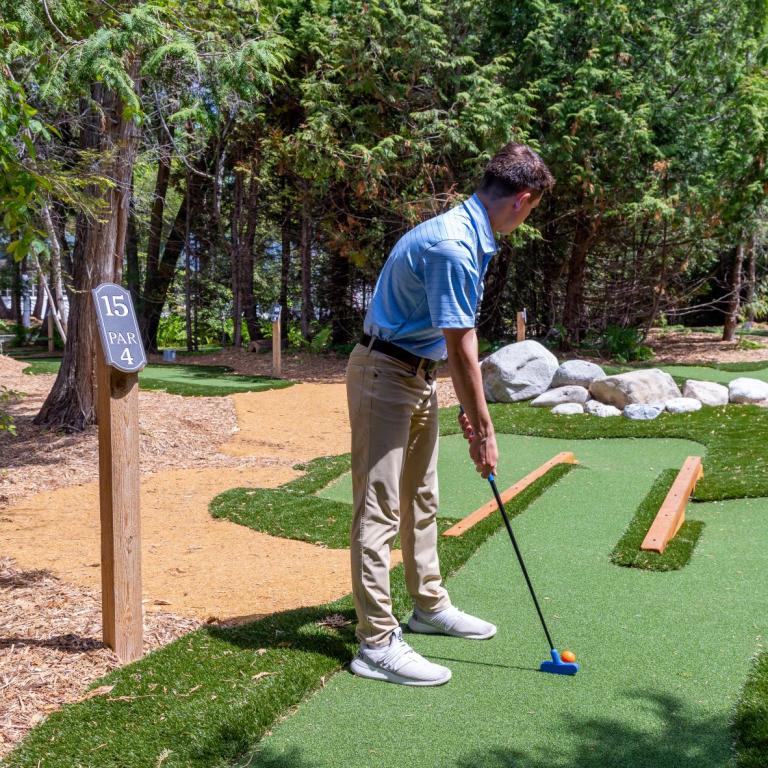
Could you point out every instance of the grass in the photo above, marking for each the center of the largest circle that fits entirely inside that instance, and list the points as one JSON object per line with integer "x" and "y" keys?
{"x": 248, "y": 676}
{"x": 292, "y": 511}
{"x": 750, "y": 722}
{"x": 677, "y": 553}
{"x": 736, "y": 463}
{"x": 207, "y": 698}
{"x": 189, "y": 380}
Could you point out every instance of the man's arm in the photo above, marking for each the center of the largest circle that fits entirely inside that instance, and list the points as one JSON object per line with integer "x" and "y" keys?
{"x": 468, "y": 383}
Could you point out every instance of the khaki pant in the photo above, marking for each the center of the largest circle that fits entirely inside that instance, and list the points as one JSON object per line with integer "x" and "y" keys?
{"x": 393, "y": 415}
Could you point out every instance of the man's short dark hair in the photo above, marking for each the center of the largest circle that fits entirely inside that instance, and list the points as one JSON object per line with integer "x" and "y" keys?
{"x": 515, "y": 168}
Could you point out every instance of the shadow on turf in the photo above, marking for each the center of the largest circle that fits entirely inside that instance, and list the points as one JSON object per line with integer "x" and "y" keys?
{"x": 684, "y": 741}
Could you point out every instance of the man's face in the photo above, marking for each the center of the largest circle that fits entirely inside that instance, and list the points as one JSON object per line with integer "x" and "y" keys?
{"x": 517, "y": 210}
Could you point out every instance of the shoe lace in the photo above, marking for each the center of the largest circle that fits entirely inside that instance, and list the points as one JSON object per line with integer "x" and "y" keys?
{"x": 398, "y": 649}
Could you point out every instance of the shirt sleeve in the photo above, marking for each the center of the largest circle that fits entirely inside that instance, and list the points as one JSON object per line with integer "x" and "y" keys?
{"x": 451, "y": 280}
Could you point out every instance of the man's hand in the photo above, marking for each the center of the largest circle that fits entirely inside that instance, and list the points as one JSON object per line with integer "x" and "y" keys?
{"x": 482, "y": 449}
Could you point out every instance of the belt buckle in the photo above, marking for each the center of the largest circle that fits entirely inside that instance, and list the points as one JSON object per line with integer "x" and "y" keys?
{"x": 426, "y": 366}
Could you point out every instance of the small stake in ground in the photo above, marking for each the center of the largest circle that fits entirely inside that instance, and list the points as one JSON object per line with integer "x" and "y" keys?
{"x": 117, "y": 372}
{"x": 277, "y": 364}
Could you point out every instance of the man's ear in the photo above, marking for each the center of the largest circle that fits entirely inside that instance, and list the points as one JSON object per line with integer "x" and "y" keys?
{"x": 520, "y": 199}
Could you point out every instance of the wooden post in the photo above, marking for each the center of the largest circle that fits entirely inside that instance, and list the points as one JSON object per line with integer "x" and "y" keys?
{"x": 118, "y": 413}
{"x": 277, "y": 363}
{"x": 521, "y": 326}
{"x": 117, "y": 377}
{"x": 50, "y": 330}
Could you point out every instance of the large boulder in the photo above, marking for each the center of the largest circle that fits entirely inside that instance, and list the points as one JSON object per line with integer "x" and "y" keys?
{"x": 596, "y": 408}
{"x": 706, "y": 392}
{"x": 568, "y": 409}
{"x": 518, "y": 372}
{"x": 683, "y": 405}
{"x": 561, "y": 395}
{"x": 746, "y": 390}
{"x": 643, "y": 411}
{"x": 580, "y": 373}
{"x": 636, "y": 387}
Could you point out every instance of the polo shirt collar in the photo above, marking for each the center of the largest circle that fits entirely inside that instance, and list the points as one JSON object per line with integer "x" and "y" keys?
{"x": 482, "y": 225}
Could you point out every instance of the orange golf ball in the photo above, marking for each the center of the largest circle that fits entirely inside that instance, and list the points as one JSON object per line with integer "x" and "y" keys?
{"x": 568, "y": 656}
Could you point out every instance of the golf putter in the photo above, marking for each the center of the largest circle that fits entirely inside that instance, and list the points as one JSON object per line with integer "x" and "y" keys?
{"x": 556, "y": 666}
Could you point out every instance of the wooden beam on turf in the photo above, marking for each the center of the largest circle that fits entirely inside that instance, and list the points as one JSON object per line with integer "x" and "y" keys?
{"x": 671, "y": 514}
{"x": 566, "y": 457}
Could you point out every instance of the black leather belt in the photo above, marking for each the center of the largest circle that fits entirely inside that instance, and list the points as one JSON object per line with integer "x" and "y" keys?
{"x": 403, "y": 355}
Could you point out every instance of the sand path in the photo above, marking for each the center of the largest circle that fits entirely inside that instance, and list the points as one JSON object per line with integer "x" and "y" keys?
{"x": 192, "y": 564}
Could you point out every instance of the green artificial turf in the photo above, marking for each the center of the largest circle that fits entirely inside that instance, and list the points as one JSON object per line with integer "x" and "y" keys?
{"x": 663, "y": 655}
{"x": 721, "y": 375}
{"x": 207, "y": 698}
{"x": 736, "y": 460}
{"x": 751, "y": 718}
{"x": 676, "y": 554}
{"x": 189, "y": 380}
{"x": 180, "y": 726}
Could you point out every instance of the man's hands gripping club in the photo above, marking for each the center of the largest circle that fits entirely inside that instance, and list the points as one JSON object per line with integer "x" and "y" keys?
{"x": 474, "y": 419}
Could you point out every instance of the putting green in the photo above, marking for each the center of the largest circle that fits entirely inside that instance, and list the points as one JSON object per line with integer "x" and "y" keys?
{"x": 462, "y": 490}
{"x": 664, "y": 655}
{"x": 713, "y": 374}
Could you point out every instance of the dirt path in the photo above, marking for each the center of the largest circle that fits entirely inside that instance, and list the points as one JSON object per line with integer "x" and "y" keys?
{"x": 191, "y": 563}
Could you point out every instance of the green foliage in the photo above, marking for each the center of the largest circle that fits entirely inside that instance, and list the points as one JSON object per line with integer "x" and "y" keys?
{"x": 172, "y": 331}
{"x": 624, "y": 344}
{"x": 6, "y": 422}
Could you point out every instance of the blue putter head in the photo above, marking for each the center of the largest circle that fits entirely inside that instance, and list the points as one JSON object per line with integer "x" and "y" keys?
{"x": 559, "y": 667}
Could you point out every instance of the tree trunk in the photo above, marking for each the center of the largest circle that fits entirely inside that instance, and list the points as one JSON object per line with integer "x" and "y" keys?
{"x": 158, "y": 273}
{"x": 306, "y": 262}
{"x": 338, "y": 302}
{"x": 248, "y": 256}
{"x": 285, "y": 274}
{"x": 98, "y": 258}
{"x": 56, "y": 238}
{"x": 37, "y": 310}
{"x": 734, "y": 295}
{"x": 132, "y": 268}
{"x": 573, "y": 311}
{"x": 751, "y": 279}
{"x": 236, "y": 254}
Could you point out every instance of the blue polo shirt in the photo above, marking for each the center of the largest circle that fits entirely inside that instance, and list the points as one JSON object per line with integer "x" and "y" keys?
{"x": 433, "y": 279}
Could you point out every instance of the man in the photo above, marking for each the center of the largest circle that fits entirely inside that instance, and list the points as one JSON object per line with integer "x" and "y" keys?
{"x": 423, "y": 307}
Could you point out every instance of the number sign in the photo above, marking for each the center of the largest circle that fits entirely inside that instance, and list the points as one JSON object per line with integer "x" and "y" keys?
{"x": 118, "y": 327}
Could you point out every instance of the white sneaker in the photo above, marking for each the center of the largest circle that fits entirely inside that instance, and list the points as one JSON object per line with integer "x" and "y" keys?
{"x": 451, "y": 621}
{"x": 398, "y": 663}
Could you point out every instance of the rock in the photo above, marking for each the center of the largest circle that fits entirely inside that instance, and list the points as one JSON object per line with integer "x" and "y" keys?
{"x": 596, "y": 408}
{"x": 746, "y": 390}
{"x": 707, "y": 392}
{"x": 579, "y": 373}
{"x": 683, "y": 405}
{"x": 568, "y": 409}
{"x": 518, "y": 371}
{"x": 646, "y": 386}
{"x": 561, "y": 395}
{"x": 643, "y": 411}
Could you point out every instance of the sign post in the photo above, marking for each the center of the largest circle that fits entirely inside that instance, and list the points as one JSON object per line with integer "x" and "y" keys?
{"x": 117, "y": 373}
{"x": 276, "y": 346}
{"x": 522, "y": 317}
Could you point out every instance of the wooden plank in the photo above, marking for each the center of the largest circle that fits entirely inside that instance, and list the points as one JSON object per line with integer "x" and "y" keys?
{"x": 521, "y": 326}
{"x": 671, "y": 514}
{"x": 118, "y": 415}
{"x": 566, "y": 457}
